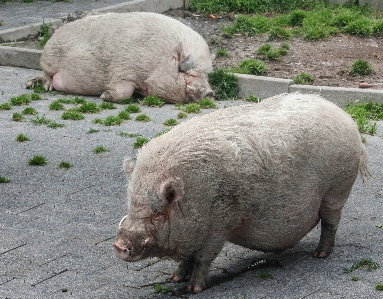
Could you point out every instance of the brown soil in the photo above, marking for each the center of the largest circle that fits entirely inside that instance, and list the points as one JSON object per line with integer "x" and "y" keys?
{"x": 328, "y": 61}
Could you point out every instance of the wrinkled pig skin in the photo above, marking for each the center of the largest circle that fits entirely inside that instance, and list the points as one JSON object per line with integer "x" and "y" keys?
{"x": 114, "y": 55}
{"x": 260, "y": 176}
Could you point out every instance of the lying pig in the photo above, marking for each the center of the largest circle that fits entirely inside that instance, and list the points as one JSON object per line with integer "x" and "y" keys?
{"x": 259, "y": 175}
{"x": 114, "y": 55}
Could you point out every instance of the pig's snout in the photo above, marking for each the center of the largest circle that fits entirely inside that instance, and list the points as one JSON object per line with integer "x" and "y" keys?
{"x": 209, "y": 94}
{"x": 122, "y": 252}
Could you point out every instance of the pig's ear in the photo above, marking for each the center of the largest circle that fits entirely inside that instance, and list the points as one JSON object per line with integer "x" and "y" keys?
{"x": 128, "y": 166}
{"x": 187, "y": 64}
{"x": 172, "y": 190}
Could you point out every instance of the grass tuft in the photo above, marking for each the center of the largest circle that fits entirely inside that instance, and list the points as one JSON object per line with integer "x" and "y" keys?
{"x": 140, "y": 141}
{"x": 152, "y": 101}
{"x": 224, "y": 85}
{"x": 4, "y": 180}
{"x": 142, "y": 118}
{"x": 100, "y": 149}
{"x": 22, "y": 138}
{"x": 303, "y": 78}
{"x": 37, "y": 161}
{"x": 17, "y": 117}
{"x": 65, "y": 165}
{"x": 361, "y": 67}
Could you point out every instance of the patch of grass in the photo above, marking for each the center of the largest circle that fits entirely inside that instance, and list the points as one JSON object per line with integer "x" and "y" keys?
{"x": 361, "y": 26}
{"x": 355, "y": 278}
{"x": 361, "y": 67}
{"x": 43, "y": 120}
{"x": 107, "y": 106}
{"x": 264, "y": 276}
{"x": 133, "y": 108}
{"x": 249, "y": 26}
{"x": 379, "y": 286}
{"x": 23, "y": 99}
{"x": 363, "y": 263}
{"x": 100, "y": 149}
{"x": 221, "y": 53}
{"x": 88, "y": 107}
{"x": 131, "y": 135}
{"x": 140, "y": 141}
{"x": 170, "y": 122}
{"x": 29, "y": 111}
{"x": 191, "y": 108}
{"x": 38, "y": 88}
{"x": 112, "y": 120}
{"x": 142, "y": 118}
{"x": 182, "y": 115}
{"x": 124, "y": 115}
{"x": 44, "y": 34}
{"x": 152, "y": 101}
{"x": 36, "y": 97}
{"x": 91, "y": 131}
{"x": 37, "y": 161}
{"x": 262, "y": 50}
{"x": 279, "y": 33}
{"x": 65, "y": 165}
{"x": 158, "y": 288}
{"x": 98, "y": 121}
{"x": 56, "y": 106}
{"x": 17, "y": 117}
{"x": 251, "y": 98}
{"x": 163, "y": 132}
{"x": 22, "y": 138}
{"x": 365, "y": 115}
{"x": 4, "y": 180}
{"x": 251, "y": 67}
{"x": 377, "y": 28}
{"x": 303, "y": 78}
{"x": 224, "y": 85}
{"x": 5, "y": 106}
{"x": 296, "y": 17}
{"x": 72, "y": 114}
{"x": 207, "y": 104}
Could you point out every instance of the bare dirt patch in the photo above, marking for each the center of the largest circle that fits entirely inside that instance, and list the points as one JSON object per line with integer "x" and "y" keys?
{"x": 328, "y": 61}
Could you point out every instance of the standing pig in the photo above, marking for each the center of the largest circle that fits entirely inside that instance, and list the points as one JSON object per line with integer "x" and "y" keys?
{"x": 259, "y": 175}
{"x": 114, "y": 55}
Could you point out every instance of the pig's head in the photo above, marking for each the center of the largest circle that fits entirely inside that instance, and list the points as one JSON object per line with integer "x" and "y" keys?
{"x": 196, "y": 81}
{"x": 145, "y": 231}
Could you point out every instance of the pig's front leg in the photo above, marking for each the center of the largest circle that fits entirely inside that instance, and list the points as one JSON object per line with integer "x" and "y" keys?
{"x": 184, "y": 269}
{"x": 202, "y": 261}
{"x": 118, "y": 93}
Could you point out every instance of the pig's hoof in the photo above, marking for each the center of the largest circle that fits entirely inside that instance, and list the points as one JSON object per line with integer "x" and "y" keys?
{"x": 195, "y": 288}
{"x": 176, "y": 278}
{"x": 321, "y": 254}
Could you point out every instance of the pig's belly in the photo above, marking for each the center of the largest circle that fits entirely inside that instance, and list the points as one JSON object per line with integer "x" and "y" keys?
{"x": 273, "y": 233}
{"x": 73, "y": 84}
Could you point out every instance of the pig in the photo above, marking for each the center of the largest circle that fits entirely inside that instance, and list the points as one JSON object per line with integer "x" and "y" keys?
{"x": 116, "y": 54}
{"x": 257, "y": 175}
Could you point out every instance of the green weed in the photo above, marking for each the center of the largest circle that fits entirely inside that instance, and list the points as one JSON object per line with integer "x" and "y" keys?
{"x": 355, "y": 278}
{"x": 363, "y": 263}
{"x": 44, "y": 34}
{"x": 142, "y": 118}
{"x": 43, "y": 120}
{"x": 251, "y": 98}
{"x": 5, "y": 106}
{"x": 22, "y": 138}
{"x": 4, "y": 180}
{"x": 140, "y": 141}
{"x": 224, "y": 85}
{"x": 131, "y": 135}
{"x": 207, "y": 104}
{"x": 158, "y": 288}
{"x": 107, "y": 106}
{"x": 88, "y": 107}
{"x": 56, "y": 106}
{"x": 163, "y": 132}
{"x": 251, "y": 67}
{"x": 124, "y": 115}
{"x": 191, "y": 108}
{"x": 152, "y": 101}
{"x": 182, "y": 115}
{"x": 170, "y": 122}
{"x": 23, "y": 99}
{"x": 112, "y": 120}
{"x": 303, "y": 78}
{"x": 38, "y": 88}
{"x": 98, "y": 121}
{"x": 100, "y": 149}
{"x": 54, "y": 125}
{"x": 36, "y": 97}
{"x": 361, "y": 67}
{"x": 221, "y": 53}
{"x": 65, "y": 165}
{"x": 91, "y": 131}
{"x": 37, "y": 161}
{"x": 379, "y": 286}
{"x": 72, "y": 114}
{"x": 29, "y": 111}
{"x": 17, "y": 117}
{"x": 133, "y": 108}
{"x": 279, "y": 33}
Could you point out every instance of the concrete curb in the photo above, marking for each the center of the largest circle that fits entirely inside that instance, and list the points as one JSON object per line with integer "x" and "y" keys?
{"x": 259, "y": 86}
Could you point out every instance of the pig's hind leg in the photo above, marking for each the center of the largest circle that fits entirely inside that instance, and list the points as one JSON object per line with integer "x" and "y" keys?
{"x": 118, "y": 93}
{"x": 330, "y": 214}
{"x": 46, "y": 81}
